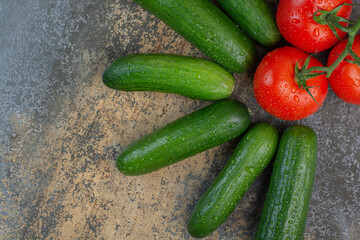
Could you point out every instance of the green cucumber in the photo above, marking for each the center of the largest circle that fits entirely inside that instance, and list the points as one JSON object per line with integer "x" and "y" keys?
{"x": 254, "y": 152}
{"x": 287, "y": 201}
{"x": 187, "y": 136}
{"x": 188, "y": 76}
{"x": 255, "y": 18}
{"x": 207, "y": 28}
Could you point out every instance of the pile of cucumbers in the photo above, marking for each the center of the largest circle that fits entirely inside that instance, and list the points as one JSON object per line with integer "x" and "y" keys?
{"x": 215, "y": 34}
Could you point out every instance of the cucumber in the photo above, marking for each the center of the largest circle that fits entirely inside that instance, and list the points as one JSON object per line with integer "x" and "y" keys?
{"x": 287, "y": 201}
{"x": 187, "y": 136}
{"x": 251, "y": 156}
{"x": 188, "y": 76}
{"x": 255, "y": 18}
{"x": 208, "y": 28}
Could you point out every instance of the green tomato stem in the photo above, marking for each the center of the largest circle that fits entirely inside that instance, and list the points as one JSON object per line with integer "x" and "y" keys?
{"x": 329, "y": 18}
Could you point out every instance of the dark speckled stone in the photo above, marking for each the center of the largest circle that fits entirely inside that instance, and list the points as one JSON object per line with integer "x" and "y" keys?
{"x": 61, "y": 130}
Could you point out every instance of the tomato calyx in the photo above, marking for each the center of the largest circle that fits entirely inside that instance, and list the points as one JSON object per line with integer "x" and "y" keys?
{"x": 329, "y": 18}
{"x": 302, "y": 75}
{"x": 333, "y": 21}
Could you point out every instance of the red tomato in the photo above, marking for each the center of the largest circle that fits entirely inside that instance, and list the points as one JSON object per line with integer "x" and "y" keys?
{"x": 276, "y": 90}
{"x": 345, "y": 79}
{"x": 296, "y": 24}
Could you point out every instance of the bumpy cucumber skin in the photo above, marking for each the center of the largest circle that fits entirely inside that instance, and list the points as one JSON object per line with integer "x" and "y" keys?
{"x": 208, "y": 28}
{"x": 255, "y": 18}
{"x": 188, "y": 76}
{"x": 253, "y": 153}
{"x": 187, "y": 136}
{"x": 287, "y": 201}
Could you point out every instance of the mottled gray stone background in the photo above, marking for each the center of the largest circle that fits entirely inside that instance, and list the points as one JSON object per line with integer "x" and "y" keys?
{"x": 61, "y": 130}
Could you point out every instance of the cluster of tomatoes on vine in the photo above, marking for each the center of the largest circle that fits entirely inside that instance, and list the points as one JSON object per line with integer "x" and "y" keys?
{"x": 290, "y": 83}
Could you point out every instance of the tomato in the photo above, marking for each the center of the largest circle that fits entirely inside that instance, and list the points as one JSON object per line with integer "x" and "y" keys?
{"x": 345, "y": 79}
{"x": 276, "y": 90}
{"x": 296, "y": 24}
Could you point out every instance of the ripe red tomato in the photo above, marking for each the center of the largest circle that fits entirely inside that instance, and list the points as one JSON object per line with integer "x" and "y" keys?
{"x": 345, "y": 79}
{"x": 276, "y": 90}
{"x": 296, "y": 24}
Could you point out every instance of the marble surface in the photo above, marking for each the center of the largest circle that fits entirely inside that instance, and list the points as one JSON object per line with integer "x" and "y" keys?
{"x": 61, "y": 130}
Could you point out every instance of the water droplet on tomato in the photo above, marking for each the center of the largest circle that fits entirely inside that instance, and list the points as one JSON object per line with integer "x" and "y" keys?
{"x": 357, "y": 82}
{"x": 316, "y": 32}
{"x": 291, "y": 13}
{"x": 286, "y": 98}
{"x": 295, "y": 20}
{"x": 320, "y": 2}
{"x": 296, "y": 98}
{"x": 293, "y": 90}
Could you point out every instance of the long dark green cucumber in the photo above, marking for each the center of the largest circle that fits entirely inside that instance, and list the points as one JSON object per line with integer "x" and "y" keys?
{"x": 289, "y": 194}
{"x": 254, "y": 152}
{"x": 188, "y": 76}
{"x": 208, "y": 28}
{"x": 192, "y": 134}
{"x": 255, "y": 18}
